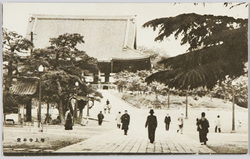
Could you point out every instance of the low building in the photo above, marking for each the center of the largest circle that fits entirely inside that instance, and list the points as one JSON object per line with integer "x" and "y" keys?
{"x": 25, "y": 90}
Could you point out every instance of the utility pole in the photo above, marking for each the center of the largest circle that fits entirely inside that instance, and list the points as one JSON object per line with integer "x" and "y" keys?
{"x": 168, "y": 100}
{"x": 40, "y": 70}
{"x": 40, "y": 98}
{"x": 76, "y": 105}
{"x": 88, "y": 84}
{"x": 233, "y": 113}
{"x": 31, "y": 48}
{"x": 186, "y": 105}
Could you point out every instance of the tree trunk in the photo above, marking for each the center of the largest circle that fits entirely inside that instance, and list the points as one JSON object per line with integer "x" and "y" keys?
{"x": 168, "y": 100}
{"x": 9, "y": 76}
{"x": 186, "y": 105}
{"x": 75, "y": 108}
{"x": 233, "y": 112}
{"x": 60, "y": 105}
{"x": 61, "y": 112}
{"x": 80, "y": 115}
{"x": 47, "y": 108}
{"x": 47, "y": 120}
{"x": 4, "y": 119}
{"x": 28, "y": 111}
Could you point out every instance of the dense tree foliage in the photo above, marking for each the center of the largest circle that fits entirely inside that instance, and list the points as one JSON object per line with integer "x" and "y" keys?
{"x": 156, "y": 54}
{"x": 13, "y": 45}
{"x": 135, "y": 82}
{"x": 64, "y": 65}
{"x": 224, "y": 90}
{"x": 217, "y": 48}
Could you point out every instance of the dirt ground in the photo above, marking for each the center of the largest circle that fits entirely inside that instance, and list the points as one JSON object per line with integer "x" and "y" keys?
{"x": 55, "y": 137}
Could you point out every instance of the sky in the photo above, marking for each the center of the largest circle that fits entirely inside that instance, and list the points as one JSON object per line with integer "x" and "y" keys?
{"x": 16, "y": 16}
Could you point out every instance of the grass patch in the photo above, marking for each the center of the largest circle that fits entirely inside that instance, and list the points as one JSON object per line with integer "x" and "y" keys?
{"x": 149, "y": 101}
{"x": 49, "y": 144}
{"x": 230, "y": 148}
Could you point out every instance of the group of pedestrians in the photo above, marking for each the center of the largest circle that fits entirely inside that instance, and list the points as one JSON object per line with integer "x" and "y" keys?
{"x": 151, "y": 123}
{"x": 123, "y": 121}
{"x": 202, "y": 126}
{"x": 100, "y": 116}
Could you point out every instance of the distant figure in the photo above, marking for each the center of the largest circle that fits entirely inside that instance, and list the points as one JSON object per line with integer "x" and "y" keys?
{"x": 56, "y": 121}
{"x": 217, "y": 124}
{"x": 107, "y": 102}
{"x": 109, "y": 108}
{"x": 180, "y": 123}
{"x": 105, "y": 108}
{"x": 203, "y": 129}
{"x": 100, "y": 117}
{"x": 197, "y": 123}
{"x": 125, "y": 119}
{"x": 68, "y": 124}
{"x": 152, "y": 124}
{"x": 239, "y": 123}
{"x": 167, "y": 121}
{"x": 118, "y": 119}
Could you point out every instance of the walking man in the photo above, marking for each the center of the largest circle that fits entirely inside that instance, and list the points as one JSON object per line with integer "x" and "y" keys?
{"x": 151, "y": 123}
{"x": 118, "y": 119}
{"x": 167, "y": 121}
{"x": 125, "y": 119}
{"x": 180, "y": 123}
{"x": 218, "y": 124}
{"x": 203, "y": 129}
{"x": 100, "y": 117}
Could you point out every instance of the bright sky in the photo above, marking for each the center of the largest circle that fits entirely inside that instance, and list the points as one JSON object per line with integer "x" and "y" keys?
{"x": 16, "y": 15}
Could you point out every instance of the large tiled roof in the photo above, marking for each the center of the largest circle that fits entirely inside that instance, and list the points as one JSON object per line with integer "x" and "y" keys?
{"x": 106, "y": 37}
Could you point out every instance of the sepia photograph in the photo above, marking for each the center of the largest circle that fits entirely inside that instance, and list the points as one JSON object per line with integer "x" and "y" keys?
{"x": 124, "y": 79}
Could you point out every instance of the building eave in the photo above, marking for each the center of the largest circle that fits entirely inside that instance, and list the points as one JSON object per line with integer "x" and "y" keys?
{"x": 89, "y": 17}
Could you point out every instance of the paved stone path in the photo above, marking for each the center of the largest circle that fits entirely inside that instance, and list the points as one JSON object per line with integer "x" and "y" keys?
{"x": 136, "y": 141}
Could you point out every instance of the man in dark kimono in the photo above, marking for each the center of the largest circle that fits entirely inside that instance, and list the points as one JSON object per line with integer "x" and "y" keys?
{"x": 69, "y": 124}
{"x": 152, "y": 124}
{"x": 203, "y": 126}
{"x": 100, "y": 118}
{"x": 167, "y": 121}
{"x": 125, "y": 119}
